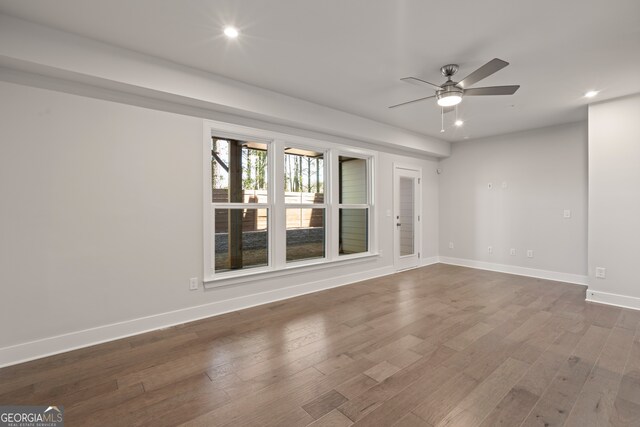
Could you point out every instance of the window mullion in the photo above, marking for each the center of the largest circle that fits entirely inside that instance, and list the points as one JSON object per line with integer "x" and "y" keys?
{"x": 333, "y": 204}
{"x": 241, "y": 205}
{"x": 279, "y": 235}
{"x": 355, "y": 206}
{"x": 306, "y": 205}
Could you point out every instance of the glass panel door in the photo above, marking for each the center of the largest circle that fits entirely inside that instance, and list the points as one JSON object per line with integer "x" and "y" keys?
{"x": 406, "y": 197}
{"x": 406, "y": 216}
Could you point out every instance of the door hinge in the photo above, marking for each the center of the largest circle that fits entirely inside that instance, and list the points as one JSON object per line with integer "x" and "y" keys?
{"x": 418, "y": 254}
{"x": 419, "y": 180}
{"x": 418, "y": 217}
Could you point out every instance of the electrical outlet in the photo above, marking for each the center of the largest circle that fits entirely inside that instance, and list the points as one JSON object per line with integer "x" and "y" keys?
{"x": 529, "y": 253}
{"x": 512, "y": 252}
{"x": 490, "y": 249}
{"x": 450, "y": 245}
{"x": 193, "y": 284}
{"x": 567, "y": 213}
{"x": 601, "y": 272}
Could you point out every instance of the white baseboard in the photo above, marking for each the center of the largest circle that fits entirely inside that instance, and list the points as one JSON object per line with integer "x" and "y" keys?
{"x": 613, "y": 299}
{"x": 62, "y": 343}
{"x": 520, "y": 271}
{"x": 429, "y": 261}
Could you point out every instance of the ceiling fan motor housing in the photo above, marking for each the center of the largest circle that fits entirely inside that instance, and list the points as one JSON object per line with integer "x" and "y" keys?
{"x": 449, "y": 70}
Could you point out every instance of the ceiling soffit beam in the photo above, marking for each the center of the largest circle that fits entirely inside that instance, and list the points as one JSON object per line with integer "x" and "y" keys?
{"x": 55, "y": 53}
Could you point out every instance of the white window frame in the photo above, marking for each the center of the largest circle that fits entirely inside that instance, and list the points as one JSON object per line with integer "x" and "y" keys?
{"x": 210, "y": 230}
{"x": 324, "y": 205}
{"x": 276, "y": 206}
{"x": 370, "y": 199}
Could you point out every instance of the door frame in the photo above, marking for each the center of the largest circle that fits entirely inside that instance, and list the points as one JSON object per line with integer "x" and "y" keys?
{"x": 418, "y": 213}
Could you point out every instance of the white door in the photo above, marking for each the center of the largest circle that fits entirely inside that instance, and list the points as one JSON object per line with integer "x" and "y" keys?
{"x": 406, "y": 217}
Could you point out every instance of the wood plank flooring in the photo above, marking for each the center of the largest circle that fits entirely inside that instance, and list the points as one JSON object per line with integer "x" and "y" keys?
{"x": 436, "y": 346}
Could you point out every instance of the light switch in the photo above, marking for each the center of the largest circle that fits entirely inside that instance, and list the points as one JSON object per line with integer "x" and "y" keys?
{"x": 567, "y": 213}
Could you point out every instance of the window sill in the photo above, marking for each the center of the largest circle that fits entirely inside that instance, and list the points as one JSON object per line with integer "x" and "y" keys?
{"x": 211, "y": 283}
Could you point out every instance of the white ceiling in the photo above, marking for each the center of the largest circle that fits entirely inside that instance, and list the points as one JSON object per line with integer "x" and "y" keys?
{"x": 350, "y": 55}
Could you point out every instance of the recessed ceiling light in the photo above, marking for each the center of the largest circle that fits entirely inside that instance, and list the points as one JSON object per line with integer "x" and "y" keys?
{"x": 591, "y": 94}
{"x": 459, "y": 123}
{"x": 231, "y": 32}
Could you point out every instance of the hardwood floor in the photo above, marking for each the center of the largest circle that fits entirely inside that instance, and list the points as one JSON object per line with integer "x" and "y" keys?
{"x": 436, "y": 346}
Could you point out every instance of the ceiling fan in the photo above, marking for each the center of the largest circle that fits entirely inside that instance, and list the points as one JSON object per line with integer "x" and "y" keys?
{"x": 450, "y": 93}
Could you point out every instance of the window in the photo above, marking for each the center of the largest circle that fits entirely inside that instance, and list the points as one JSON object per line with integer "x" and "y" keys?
{"x": 240, "y": 199}
{"x": 304, "y": 204}
{"x": 303, "y": 176}
{"x": 353, "y": 210}
{"x": 241, "y": 239}
{"x": 276, "y": 202}
{"x": 238, "y": 171}
{"x": 305, "y": 233}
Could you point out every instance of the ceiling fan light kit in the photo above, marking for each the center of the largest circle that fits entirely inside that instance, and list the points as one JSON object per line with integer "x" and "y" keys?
{"x": 449, "y": 98}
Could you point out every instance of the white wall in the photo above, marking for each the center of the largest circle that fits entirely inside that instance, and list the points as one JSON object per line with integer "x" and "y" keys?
{"x": 101, "y": 223}
{"x": 545, "y": 172}
{"x": 614, "y": 200}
